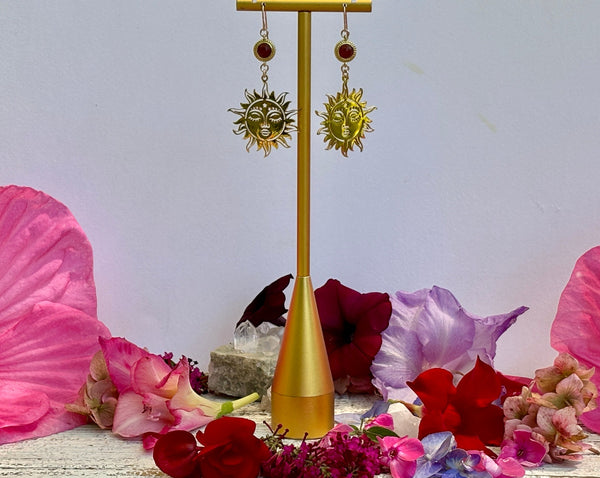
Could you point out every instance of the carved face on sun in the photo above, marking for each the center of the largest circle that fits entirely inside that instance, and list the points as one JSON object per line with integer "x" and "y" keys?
{"x": 345, "y": 121}
{"x": 264, "y": 121}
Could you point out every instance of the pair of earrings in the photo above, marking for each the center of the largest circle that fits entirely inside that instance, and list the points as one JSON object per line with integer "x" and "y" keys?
{"x": 265, "y": 120}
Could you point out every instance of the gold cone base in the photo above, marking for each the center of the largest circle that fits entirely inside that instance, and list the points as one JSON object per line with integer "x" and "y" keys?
{"x": 302, "y": 394}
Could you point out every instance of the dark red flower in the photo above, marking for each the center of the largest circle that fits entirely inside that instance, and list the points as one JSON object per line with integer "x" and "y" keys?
{"x": 176, "y": 453}
{"x": 465, "y": 410}
{"x": 268, "y": 305}
{"x": 230, "y": 449}
{"x": 352, "y": 324}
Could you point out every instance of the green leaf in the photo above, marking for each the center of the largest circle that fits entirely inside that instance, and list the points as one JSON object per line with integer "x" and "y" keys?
{"x": 376, "y": 431}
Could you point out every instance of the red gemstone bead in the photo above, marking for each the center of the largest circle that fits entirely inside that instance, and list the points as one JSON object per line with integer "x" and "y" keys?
{"x": 346, "y": 51}
{"x": 264, "y": 50}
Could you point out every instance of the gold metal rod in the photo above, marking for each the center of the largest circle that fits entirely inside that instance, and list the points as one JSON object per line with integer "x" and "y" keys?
{"x": 304, "y": 133}
{"x": 305, "y": 5}
{"x": 302, "y": 394}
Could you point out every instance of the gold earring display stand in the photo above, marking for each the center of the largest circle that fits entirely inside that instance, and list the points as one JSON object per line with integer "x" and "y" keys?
{"x": 302, "y": 394}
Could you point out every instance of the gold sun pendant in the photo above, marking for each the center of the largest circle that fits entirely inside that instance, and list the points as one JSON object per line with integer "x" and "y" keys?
{"x": 345, "y": 120}
{"x": 265, "y": 120}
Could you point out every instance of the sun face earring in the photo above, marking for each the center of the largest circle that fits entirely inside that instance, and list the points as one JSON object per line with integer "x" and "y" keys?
{"x": 264, "y": 119}
{"x": 345, "y": 120}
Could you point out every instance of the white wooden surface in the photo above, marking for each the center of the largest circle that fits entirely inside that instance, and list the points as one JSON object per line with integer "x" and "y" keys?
{"x": 88, "y": 452}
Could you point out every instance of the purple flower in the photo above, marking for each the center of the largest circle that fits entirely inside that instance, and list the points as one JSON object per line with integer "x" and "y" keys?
{"x": 435, "y": 446}
{"x": 430, "y": 329}
{"x": 463, "y": 464}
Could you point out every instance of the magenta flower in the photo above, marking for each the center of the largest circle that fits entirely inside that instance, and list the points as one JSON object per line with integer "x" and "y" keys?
{"x": 430, "y": 329}
{"x": 524, "y": 448}
{"x": 48, "y": 326}
{"x": 383, "y": 420}
{"x": 153, "y": 398}
{"x": 352, "y": 325}
{"x": 509, "y": 468}
{"x": 401, "y": 455}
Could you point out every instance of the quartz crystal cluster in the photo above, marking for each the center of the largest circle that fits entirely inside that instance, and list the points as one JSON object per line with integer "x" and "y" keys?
{"x": 264, "y": 339}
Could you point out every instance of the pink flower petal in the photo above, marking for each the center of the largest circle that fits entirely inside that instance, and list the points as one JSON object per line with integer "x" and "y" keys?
{"x": 20, "y": 405}
{"x": 48, "y": 326}
{"x": 120, "y": 356}
{"x": 152, "y": 375}
{"x": 46, "y": 354}
{"x": 138, "y": 414}
{"x": 576, "y": 327}
{"x": 44, "y": 256}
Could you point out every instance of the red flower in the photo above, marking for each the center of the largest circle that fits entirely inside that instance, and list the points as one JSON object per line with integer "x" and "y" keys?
{"x": 230, "y": 450}
{"x": 352, "y": 324}
{"x": 465, "y": 410}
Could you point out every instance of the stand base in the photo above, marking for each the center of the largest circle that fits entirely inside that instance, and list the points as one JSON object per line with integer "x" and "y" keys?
{"x": 303, "y": 414}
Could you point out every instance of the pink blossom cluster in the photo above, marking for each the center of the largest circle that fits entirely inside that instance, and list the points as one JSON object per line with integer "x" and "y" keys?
{"x": 542, "y": 423}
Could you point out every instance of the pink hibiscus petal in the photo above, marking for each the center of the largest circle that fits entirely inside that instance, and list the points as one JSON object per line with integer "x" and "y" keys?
{"x": 48, "y": 326}
{"x": 44, "y": 255}
{"x": 47, "y": 353}
{"x": 576, "y": 327}
{"x": 21, "y": 405}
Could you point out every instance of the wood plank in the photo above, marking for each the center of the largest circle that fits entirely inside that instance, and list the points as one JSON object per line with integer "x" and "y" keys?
{"x": 88, "y": 452}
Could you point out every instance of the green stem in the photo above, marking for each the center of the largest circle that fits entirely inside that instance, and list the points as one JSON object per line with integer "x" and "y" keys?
{"x": 229, "y": 407}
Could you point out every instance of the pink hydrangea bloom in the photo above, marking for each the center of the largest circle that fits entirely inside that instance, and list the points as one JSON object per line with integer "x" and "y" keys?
{"x": 48, "y": 326}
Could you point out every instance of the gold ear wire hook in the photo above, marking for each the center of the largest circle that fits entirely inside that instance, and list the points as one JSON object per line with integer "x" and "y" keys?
{"x": 345, "y": 31}
{"x": 264, "y": 32}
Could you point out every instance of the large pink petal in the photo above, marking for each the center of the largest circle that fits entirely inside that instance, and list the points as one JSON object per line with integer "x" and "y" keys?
{"x": 45, "y": 357}
{"x": 44, "y": 256}
{"x": 576, "y": 327}
{"x": 48, "y": 325}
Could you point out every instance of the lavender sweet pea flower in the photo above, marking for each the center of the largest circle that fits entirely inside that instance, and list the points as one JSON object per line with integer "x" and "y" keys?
{"x": 428, "y": 329}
